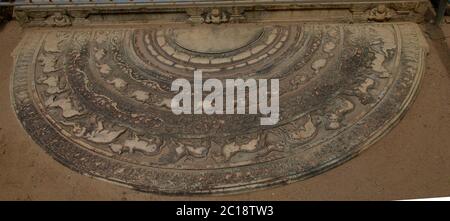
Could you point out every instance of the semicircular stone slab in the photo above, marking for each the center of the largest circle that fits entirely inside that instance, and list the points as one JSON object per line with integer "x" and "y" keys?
{"x": 98, "y": 100}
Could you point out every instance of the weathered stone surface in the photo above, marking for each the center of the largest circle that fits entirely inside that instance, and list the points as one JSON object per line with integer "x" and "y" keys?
{"x": 98, "y": 100}
{"x": 63, "y": 13}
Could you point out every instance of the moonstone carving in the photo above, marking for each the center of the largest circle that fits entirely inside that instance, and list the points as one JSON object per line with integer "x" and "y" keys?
{"x": 98, "y": 100}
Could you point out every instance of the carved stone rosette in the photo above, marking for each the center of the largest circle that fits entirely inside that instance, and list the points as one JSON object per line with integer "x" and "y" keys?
{"x": 98, "y": 100}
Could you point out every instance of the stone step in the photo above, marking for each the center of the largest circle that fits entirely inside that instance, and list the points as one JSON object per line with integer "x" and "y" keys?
{"x": 63, "y": 13}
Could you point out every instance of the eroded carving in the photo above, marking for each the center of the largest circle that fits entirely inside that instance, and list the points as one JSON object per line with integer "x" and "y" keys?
{"x": 58, "y": 19}
{"x": 103, "y": 97}
{"x": 381, "y": 13}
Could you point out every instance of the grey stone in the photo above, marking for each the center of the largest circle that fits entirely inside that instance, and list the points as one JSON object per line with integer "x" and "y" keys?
{"x": 97, "y": 100}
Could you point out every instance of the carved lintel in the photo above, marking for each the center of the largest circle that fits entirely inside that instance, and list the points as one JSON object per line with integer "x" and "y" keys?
{"x": 215, "y": 15}
{"x": 37, "y": 15}
{"x": 58, "y": 19}
{"x": 237, "y": 15}
{"x": 380, "y": 13}
{"x": 79, "y": 16}
{"x": 420, "y": 11}
{"x": 21, "y": 17}
{"x": 195, "y": 15}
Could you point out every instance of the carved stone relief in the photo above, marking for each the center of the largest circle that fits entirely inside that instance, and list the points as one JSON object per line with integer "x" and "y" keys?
{"x": 219, "y": 12}
{"x": 98, "y": 100}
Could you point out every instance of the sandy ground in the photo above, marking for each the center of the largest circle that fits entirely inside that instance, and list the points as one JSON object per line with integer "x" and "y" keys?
{"x": 412, "y": 161}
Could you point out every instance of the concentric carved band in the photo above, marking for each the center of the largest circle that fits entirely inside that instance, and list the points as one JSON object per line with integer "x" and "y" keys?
{"x": 99, "y": 101}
